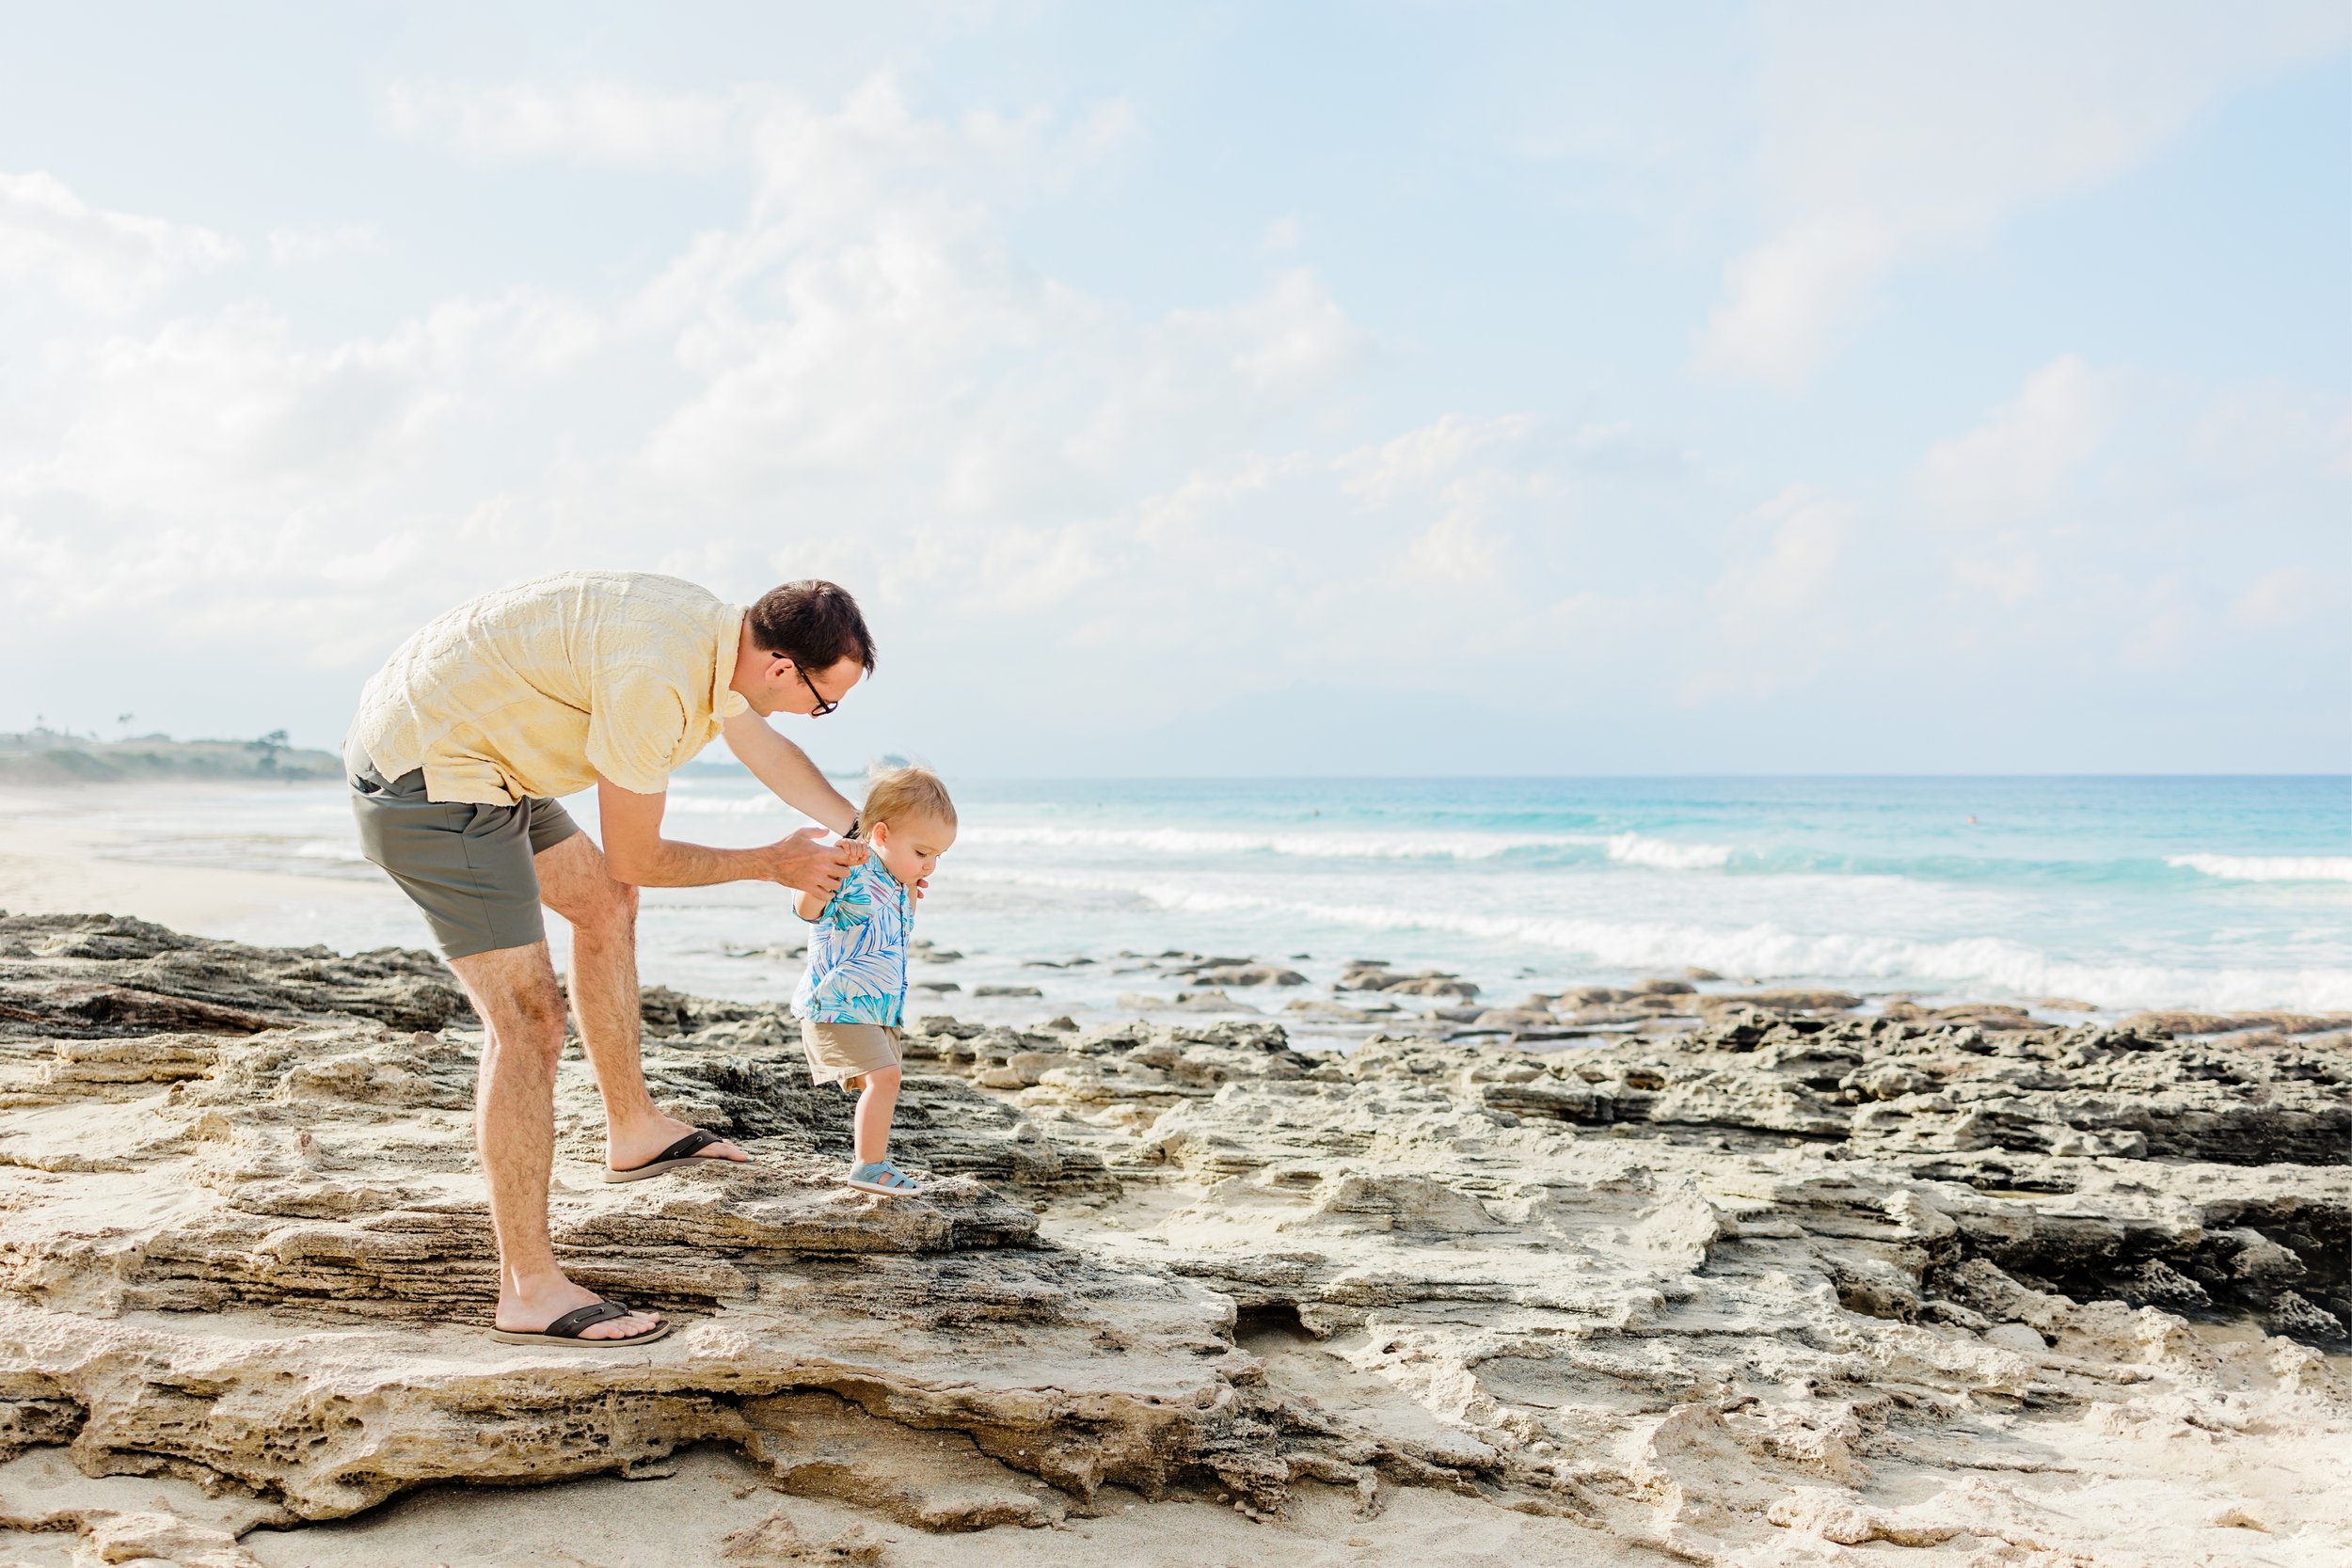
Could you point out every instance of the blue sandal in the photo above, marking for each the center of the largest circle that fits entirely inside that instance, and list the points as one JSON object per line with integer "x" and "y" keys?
{"x": 883, "y": 1177}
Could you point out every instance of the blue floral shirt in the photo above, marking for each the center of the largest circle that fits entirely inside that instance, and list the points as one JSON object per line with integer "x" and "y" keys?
{"x": 857, "y": 952}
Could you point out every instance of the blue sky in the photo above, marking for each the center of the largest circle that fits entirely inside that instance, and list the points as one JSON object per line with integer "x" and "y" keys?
{"x": 1353, "y": 388}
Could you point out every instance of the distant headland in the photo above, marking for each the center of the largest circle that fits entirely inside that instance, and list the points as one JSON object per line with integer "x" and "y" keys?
{"x": 45, "y": 756}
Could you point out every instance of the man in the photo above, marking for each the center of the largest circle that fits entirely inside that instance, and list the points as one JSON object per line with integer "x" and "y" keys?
{"x": 463, "y": 741}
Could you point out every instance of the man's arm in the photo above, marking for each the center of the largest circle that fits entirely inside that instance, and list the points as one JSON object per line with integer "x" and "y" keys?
{"x": 635, "y": 851}
{"x": 786, "y": 769}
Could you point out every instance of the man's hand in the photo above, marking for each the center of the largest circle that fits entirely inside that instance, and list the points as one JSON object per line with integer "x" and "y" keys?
{"x": 799, "y": 860}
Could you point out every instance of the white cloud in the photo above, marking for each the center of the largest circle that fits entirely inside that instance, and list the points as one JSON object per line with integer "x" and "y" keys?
{"x": 2015, "y": 465}
{"x": 1616, "y": 449}
{"x": 1790, "y": 293}
{"x": 2166, "y": 621}
{"x": 2011, "y": 577}
{"x": 866, "y": 374}
{"x": 590, "y": 123}
{"x": 2281, "y": 598}
{"x": 1419, "y": 457}
{"x": 1774, "y": 611}
{"x": 297, "y": 244}
{"x": 104, "y": 261}
{"x": 1809, "y": 534}
{"x": 812, "y": 164}
{"x": 1890, "y": 133}
{"x": 1455, "y": 550}
{"x": 215, "y": 414}
{"x": 2111, "y": 518}
{"x": 861, "y": 378}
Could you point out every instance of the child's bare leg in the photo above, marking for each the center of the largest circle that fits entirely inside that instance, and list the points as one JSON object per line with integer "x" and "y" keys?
{"x": 870, "y": 1126}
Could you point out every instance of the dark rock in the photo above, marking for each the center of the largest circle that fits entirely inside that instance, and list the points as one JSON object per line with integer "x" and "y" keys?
{"x": 97, "y": 975}
{"x": 2299, "y": 1319}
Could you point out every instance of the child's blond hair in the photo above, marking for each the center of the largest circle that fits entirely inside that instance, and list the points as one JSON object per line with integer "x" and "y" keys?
{"x": 897, "y": 793}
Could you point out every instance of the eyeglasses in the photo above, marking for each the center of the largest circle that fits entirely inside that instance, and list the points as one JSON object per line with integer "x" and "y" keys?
{"x": 823, "y": 707}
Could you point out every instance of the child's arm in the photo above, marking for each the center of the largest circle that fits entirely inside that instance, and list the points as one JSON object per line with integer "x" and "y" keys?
{"x": 854, "y": 907}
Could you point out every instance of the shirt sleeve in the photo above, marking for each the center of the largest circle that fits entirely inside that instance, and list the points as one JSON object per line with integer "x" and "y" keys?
{"x": 853, "y": 902}
{"x": 635, "y": 727}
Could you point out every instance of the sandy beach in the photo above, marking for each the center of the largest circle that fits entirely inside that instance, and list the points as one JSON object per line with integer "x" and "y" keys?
{"x": 61, "y": 850}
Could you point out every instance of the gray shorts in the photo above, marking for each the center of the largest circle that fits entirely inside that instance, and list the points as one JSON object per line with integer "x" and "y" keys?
{"x": 468, "y": 867}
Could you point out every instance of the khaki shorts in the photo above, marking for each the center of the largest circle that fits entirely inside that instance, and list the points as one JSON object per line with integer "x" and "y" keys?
{"x": 468, "y": 867}
{"x": 838, "y": 1053}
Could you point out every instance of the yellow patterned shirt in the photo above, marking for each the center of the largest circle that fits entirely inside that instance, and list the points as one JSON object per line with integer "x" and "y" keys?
{"x": 538, "y": 688}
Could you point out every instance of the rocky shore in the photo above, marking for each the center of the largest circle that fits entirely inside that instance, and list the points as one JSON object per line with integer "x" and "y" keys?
{"x": 1737, "y": 1277}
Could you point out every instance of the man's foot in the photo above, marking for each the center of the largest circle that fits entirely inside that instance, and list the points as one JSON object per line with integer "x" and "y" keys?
{"x": 641, "y": 1142}
{"x": 530, "y": 1311}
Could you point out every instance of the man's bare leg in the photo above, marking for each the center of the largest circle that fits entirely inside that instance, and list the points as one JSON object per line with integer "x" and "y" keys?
{"x": 573, "y": 882}
{"x": 514, "y": 990}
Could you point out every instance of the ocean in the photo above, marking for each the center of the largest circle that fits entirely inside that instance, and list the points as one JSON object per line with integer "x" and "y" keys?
{"x": 2122, "y": 893}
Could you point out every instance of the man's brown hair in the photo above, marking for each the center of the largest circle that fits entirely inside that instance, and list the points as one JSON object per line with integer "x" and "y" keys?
{"x": 814, "y": 625}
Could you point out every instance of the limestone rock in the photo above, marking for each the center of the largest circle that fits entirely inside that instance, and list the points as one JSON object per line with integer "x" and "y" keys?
{"x": 1225, "y": 973}
{"x": 1791, "y": 1282}
{"x": 1362, "y": 975}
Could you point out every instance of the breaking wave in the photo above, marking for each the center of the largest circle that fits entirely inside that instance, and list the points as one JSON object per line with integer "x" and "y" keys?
{"x": 1626, "y": 849}
{"x": 1774, "y": 951}
{"x": 1665, "y": 855}
{"x": 2269, "y": 868}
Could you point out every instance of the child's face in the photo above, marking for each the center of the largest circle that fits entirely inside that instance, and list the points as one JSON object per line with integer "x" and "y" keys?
{"x": 910, "y": 850}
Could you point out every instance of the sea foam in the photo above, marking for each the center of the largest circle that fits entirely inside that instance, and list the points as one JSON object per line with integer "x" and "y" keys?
{"x": 2269, "y": 868}
{"x": 1773, "y": 952}
{"x": 1638, "y": 850}
{"x": 1664, "y": 855}
{"x": 1211, "y": 840}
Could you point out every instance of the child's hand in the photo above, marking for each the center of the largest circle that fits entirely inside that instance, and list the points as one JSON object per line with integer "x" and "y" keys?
{"x": 800, "y": 861}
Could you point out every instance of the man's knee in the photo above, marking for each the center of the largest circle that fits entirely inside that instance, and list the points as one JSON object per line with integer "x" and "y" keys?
{"x": 882, "y": 1078}
{"x": 530, "y": 1027}
{"x": 522, "y": 1007}
{"x": 604, "y": 906}
{"x": 541, "y": 1011}
{"x": 576, "y": 883}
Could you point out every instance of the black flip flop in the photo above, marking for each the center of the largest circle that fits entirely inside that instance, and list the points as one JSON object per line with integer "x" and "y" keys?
{"x": 565, "y": 1329}
{"x": 679, "y": 1153}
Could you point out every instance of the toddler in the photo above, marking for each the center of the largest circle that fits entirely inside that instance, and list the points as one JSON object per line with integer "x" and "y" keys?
{"x": 852, "y": 1001}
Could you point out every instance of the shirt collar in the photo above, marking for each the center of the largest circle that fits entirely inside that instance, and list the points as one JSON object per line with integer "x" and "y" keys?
{"x": 725, "y": 701}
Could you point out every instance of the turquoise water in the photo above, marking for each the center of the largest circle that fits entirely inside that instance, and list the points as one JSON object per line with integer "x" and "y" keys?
{"x": 2122, "y": 892}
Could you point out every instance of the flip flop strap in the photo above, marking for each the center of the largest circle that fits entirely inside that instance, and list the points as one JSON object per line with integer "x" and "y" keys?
{"x": 570, "y": 1324}
{"x": 697, "y": 1139}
